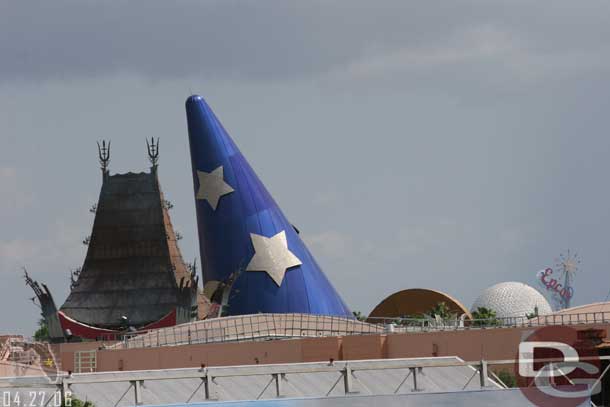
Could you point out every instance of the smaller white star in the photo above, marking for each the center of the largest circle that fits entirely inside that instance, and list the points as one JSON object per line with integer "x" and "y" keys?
{"x": 212, "y": 186}
{"x": 271, "y": 254}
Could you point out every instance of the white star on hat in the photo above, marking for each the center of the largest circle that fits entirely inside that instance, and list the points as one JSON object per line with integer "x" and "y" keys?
{"x": 212, "y": 186}
{"x": 271, "y": 254}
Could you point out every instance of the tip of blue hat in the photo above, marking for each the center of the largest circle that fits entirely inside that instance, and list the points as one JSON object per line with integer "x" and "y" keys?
{"x": 194, "y": 99}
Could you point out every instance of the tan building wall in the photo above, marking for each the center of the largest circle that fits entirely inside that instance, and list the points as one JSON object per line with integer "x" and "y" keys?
{"x": 64, "y": 352}
{"x": 221, "y": 354}
{"x": 358, "y": 347}
{"x": 499, "y": 343}
{"x": 11, "y": 369}
{"x": 470, "y": 345}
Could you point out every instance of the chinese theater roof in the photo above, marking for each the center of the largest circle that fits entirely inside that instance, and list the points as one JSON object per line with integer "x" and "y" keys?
{"x": 133, "y": 266}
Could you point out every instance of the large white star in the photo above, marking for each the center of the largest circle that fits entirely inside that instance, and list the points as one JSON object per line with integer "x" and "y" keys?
{"x": 271, "y": 254}
{"x": 212, "y": 186}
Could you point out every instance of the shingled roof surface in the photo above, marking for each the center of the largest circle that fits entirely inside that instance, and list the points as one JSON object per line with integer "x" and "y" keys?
{"x": 133, "y": 265}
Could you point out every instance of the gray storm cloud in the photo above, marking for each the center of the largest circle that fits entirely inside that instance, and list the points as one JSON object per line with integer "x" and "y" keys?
{"x": 275, "y": 40}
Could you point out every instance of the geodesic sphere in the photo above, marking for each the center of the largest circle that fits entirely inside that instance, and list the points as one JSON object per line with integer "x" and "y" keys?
{"x": 512, "y": 299}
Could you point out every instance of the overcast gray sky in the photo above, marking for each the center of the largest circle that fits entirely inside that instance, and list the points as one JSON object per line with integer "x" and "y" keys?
{"x": 448, "y": 145}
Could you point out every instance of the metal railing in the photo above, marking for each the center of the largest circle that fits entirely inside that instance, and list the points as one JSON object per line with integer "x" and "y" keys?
{"x": 4, "y": 350}
{"x": 285, "y": 326}
{"x": 423, "y": 324}
{"x": 249, "y": 328}
{"x": 347, "y": 376}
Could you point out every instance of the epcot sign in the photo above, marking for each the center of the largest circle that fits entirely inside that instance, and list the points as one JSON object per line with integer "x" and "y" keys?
{"x": 557, "y": 290}
{"x": 552, "y": 284}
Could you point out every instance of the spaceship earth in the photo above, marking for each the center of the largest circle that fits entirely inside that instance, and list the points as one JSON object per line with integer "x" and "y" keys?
{"x": 512, "y": 299}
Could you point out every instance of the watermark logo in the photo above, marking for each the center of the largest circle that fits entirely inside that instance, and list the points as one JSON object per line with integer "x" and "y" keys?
{"x": 32, "y": 359}
{"x": 29, "y": 366}
{"x": 558, "y": 366}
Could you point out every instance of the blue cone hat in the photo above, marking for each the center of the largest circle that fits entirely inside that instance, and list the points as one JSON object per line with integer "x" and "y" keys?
{"x": 253, "y": 258}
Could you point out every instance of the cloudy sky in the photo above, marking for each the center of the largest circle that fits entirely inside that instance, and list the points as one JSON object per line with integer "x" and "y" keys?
{"x": 449, "y": 145}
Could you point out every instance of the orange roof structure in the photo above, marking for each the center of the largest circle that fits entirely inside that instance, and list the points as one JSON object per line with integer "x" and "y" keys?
{"x": 415, "y": 302}
{"x": 587, "y": 308}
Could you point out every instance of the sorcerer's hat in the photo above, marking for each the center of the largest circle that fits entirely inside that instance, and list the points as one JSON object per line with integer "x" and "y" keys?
{"x": 253, "y": 258}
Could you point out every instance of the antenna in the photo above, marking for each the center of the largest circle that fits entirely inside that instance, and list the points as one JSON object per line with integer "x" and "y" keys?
{"x": 568, "y": 265}
{"x": 153, "y": 151}
{"x": 104, "y": 155}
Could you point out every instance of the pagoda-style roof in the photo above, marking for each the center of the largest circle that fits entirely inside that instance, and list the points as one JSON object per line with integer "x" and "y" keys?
{"x": 133, "y": 266}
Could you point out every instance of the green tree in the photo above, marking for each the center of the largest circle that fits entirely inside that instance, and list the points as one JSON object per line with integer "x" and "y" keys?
{"x": 442, "y": 311}
{"x": 359, "y": 316}
{"x": 507, "y": 378}
{"x": 409, "y": 320}
{"x": 484, "y": 317}
{"x": 532, "y": 314}
{"x": 75, "y": 402}
{"x": 42, "y": 333}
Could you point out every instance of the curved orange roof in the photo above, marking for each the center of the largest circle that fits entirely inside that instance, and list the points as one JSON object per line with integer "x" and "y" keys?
{"x": 586, "y": 308}
{"x": 416, "y": 301}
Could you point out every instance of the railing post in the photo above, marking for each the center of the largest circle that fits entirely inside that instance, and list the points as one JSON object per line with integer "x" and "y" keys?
{"x": 347, "y": 379}
{"x": 414, "y": 374}
{"x": 64, "y": 388}
{"x": 483, "y": 373}
{"x": 137, "y": 390}
{"x": 278, "y": 377}
{"x": 206, "y": 387}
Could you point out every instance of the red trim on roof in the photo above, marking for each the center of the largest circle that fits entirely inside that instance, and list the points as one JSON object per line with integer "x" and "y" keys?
{"x": 90, "y": 332}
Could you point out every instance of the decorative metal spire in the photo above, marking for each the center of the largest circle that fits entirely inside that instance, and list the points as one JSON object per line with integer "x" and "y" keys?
{"x": 192, "y": 268}
{"x": 104, "y": 155}
{"x": 153, "y": 151}
{"x": 33, "y": 284}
